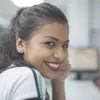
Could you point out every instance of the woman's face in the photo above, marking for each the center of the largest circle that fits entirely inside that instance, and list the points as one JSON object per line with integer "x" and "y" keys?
{"x": 47, "y": 50}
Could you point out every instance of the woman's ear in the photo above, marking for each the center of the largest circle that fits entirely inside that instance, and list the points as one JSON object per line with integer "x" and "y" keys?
{"x": 20, "y": 45}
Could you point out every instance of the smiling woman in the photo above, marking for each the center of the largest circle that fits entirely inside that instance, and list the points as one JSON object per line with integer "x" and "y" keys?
{"x": 36, "y": 48}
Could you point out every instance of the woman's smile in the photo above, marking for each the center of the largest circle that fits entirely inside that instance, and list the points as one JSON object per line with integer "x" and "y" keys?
{"x": 52, "y": 65}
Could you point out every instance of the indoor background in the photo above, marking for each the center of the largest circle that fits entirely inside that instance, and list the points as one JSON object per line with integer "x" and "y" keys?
{"x": 84, "y": 48}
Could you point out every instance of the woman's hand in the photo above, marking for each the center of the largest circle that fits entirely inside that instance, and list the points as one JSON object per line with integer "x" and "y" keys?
{"x": 64, "y": 71}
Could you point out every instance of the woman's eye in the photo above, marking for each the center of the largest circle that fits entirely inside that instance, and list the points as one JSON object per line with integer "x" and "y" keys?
{"x": 50, "y": 44}
{"x": 65, "y": 46}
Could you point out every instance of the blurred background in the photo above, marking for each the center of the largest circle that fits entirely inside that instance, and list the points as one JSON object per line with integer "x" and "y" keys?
{"x": 84, "y": 48}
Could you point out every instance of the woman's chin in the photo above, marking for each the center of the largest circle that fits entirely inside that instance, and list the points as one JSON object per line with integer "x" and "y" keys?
{"x": 50, "y": 76}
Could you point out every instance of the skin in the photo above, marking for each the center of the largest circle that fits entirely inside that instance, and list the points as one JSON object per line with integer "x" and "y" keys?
{"x": 48, "y": 45}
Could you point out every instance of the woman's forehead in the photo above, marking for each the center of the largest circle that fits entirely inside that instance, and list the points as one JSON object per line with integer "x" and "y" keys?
{"x": 56, "y": 32}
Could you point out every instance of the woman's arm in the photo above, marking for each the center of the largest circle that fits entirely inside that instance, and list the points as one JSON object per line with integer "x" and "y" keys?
{"x": 58, "y": 90}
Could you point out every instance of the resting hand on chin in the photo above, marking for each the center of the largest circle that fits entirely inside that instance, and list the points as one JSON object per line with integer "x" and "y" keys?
{"x": 64, "y": 71}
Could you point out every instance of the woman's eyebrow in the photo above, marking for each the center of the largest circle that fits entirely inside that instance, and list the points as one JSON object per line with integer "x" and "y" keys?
{"x": 51, "y": 37}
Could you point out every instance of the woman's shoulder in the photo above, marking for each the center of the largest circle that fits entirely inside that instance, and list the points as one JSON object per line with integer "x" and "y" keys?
{"x": 22, "y": 79}
{"x": 14, "y": 72}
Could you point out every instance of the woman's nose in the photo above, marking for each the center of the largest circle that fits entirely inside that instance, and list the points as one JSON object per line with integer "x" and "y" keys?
{"x": 60, "y": 54}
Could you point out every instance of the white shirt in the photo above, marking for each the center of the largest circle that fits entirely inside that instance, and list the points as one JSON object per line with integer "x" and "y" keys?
{"x": 19, "y": 83}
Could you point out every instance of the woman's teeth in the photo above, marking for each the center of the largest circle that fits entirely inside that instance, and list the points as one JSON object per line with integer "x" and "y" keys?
{"x": 53, "y": 66}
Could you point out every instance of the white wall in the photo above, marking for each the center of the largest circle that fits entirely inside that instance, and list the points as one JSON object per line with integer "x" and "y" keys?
{"x": 7, "y": 11}
{"x": 78, "y": 15}
{"x": 96, "y": 14}
{"x": 3, "y": 22}
{"x": 95, "y": 23}
{"x": 7, "y": 8}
